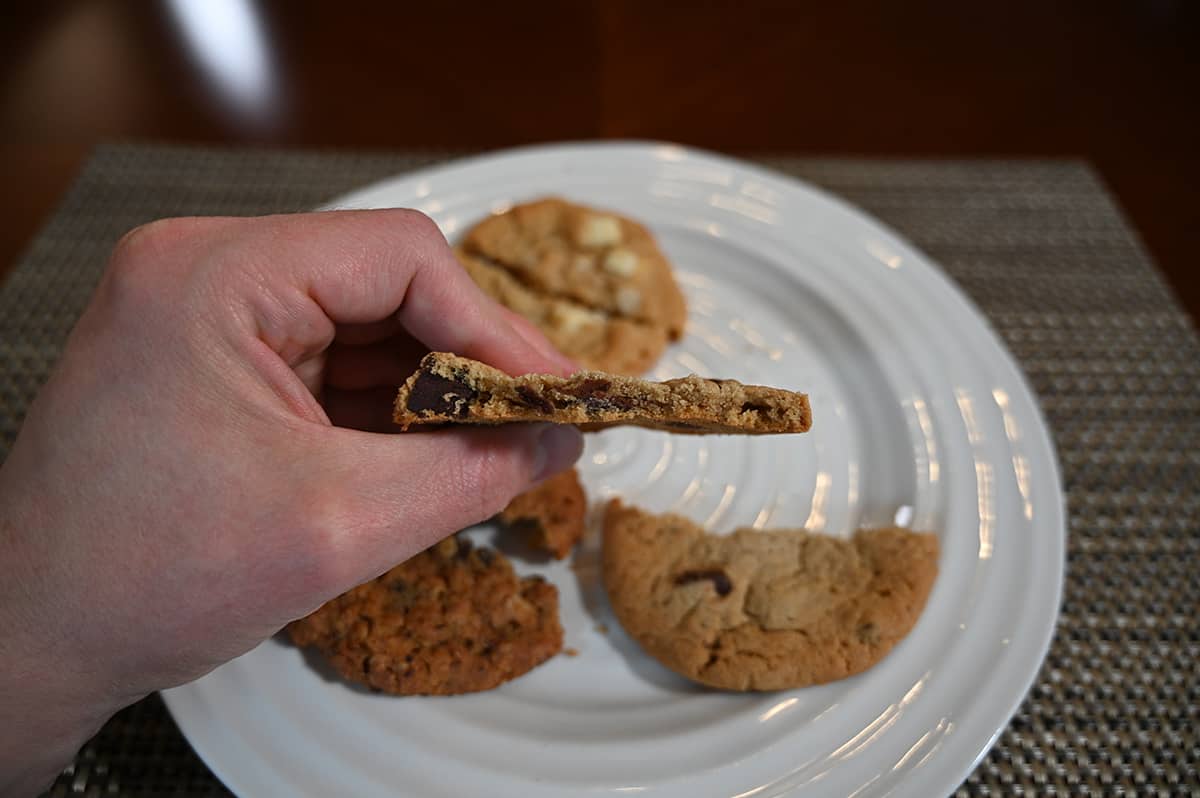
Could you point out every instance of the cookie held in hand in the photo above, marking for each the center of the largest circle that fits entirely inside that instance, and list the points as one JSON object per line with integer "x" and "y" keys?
{"x": 451, "y": 389}
{"x": 763, "y": 609}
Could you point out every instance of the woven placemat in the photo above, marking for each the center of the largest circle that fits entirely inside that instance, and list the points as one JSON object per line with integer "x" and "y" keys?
{"x": 1043, "y": 251}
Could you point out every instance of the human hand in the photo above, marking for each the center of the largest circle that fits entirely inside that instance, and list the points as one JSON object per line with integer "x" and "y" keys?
{"x": 178, "y": 493}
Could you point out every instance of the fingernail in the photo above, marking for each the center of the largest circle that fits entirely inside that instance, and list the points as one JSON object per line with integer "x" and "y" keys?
{"x": 558, "y": 446}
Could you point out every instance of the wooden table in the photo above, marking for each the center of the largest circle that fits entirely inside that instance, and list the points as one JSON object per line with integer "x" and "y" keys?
{"x": 1114, "y": 83}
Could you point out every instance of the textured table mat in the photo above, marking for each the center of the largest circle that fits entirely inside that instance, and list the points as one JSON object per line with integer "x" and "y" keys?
{"x": 1041, "y": 248}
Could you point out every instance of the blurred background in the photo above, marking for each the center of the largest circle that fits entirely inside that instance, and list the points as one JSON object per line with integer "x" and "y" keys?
{"x": 1115, "y": 83}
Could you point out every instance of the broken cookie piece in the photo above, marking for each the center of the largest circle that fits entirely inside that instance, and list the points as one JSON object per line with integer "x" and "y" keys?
{"x": 763, "y": 609}
{"x": 448, "y": 388}
{"x": 453, "y": 619}
{"x": 551, "y": 514}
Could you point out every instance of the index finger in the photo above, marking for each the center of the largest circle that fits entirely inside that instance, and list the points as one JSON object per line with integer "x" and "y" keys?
{"x": 362, "y": 267}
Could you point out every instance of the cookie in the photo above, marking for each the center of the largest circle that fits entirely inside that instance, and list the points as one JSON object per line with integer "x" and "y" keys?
{"x": 453, "y": 619}
{"x": 448, "y": 388}
{"x": 763, "y": 609}
{"x": 593, "y": 281}
{"x": 552, "y": 514}
{"x": 592, "y": 338}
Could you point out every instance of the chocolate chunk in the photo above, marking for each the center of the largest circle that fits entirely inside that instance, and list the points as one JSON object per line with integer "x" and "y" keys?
{"x": 433, "y": 393}
{"x": 592, "y": 386}
{"x": 561, "y": 400}
{"x": 595, "y": 403}
{"x": 593, "y": 391}
{"x": 531, "y": 398}
{"x": 720, "y": 579}
{"x": 868, "y": 634}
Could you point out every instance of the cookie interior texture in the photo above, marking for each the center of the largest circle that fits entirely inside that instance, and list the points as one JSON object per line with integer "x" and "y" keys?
{"x": 551, "y": 515}
{"x": 448, "y": 388}
{"x": 595, "y": 283}
{"x": 763, "y": 609}
{"x": 453, "y": 619}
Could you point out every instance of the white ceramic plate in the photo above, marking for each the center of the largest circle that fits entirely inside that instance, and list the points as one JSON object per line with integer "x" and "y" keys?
{"x": 919, "y": 416}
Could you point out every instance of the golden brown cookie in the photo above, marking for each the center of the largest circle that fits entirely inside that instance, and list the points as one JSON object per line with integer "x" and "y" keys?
{"x": 763, "y": 609}
{"x": 453, "y": 619}
{"x": 552, "y": 514}
{"x": 594, "y": 282}
{"x": 448, "y": 388}
{"x": 594, "y": 339}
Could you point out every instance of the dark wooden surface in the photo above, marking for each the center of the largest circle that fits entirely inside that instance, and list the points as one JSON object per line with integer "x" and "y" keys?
{"x": 1113, "y": 82}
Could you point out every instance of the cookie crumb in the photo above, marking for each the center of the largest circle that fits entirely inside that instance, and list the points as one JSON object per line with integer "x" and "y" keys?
{"x": 571, "y": 652}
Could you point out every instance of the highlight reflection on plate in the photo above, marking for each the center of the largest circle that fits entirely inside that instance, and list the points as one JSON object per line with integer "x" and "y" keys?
{"x": 920, "y": 417}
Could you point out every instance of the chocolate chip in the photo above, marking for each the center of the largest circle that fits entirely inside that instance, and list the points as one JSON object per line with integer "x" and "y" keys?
{"x": 531, "y": 398}
{"x": 868, "y": 633}
{"x": 595, "y": 403}
{"x": 561, "y": 400}
{"x": 592, "y": 386}
{"x": 464, "y": 548}
{"x": 486, "y": 556}
{"x": 434, "y": 393}
{"x": 720, "y": 579}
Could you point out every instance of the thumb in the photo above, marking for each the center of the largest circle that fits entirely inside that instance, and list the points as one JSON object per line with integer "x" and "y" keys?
{"x": 386, "y": 498}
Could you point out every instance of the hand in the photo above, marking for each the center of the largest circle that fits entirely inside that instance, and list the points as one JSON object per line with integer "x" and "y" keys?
{"x": 178, "y": 492}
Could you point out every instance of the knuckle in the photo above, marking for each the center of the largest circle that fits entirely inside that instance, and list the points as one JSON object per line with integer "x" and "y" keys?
{"x": 419, "y": 223}
{"x": 139, "y": 255}
{"x": 148, "y": 239}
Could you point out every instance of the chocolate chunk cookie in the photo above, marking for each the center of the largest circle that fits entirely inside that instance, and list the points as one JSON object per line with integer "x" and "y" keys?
{"x": 551, "y": 514}
{"x": 594, "y": 282}
{"x": 453, "y": 619}
{"x": 448, "y": 388}
{"x": 759, "y": 609}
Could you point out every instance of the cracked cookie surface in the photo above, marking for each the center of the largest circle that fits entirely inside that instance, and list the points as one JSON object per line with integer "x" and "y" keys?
{"x": 453, "y": 619}
{"x": 592, "y": 338}
{"x": 596, "y": 283}
{"x": 763, "y": 609}
{"x": 448, "y": 388}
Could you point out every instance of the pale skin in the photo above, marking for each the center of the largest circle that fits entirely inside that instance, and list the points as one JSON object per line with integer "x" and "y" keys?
{"x": 205, "y": 464}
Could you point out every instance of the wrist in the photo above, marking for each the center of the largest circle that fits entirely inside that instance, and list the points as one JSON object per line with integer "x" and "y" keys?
{"x": 51, "y": 699}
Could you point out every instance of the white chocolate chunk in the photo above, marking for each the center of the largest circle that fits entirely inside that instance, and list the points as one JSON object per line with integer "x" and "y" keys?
{"x": 621, "y": 262}
{"x": 572, "y": 318}
{"x": 628, "y": 300}
{"x": 599, "y": 231}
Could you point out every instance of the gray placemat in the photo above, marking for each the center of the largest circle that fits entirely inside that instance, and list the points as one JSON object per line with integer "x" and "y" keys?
{"x": 1041, "y": 248}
